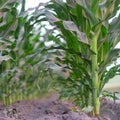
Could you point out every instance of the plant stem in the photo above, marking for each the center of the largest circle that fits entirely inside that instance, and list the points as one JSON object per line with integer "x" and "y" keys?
{"x": 95, "y": 82}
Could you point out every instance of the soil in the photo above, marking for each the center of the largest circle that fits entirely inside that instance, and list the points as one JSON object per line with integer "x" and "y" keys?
{"x": 51, "y": 108}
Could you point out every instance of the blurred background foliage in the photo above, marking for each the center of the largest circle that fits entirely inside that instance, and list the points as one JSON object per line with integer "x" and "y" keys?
{"x": 23, "y": 74}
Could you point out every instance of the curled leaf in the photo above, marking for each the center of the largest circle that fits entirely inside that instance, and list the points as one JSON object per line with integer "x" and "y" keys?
{"x": 51, "y": 18}
{"x": 69, "y": 25}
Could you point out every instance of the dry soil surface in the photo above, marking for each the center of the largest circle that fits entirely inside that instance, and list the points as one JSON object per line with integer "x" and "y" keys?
{"x": 53, "y": 109}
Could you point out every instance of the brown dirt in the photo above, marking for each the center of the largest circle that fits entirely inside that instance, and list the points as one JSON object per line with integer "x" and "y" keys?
{"x": 53, "y": 109}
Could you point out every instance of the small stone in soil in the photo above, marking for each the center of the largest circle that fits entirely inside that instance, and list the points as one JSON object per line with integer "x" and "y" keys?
{"x": 48, "y": 111}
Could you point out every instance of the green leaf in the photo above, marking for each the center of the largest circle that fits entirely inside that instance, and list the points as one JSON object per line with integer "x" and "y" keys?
{"x": 89, "y": 15}
{"x": 69, "y": 25}
{"x": 112, "y": 55}
{"x": 109, "y": 74}
{"x": 115, "y": 25}
{"x": 51, "y": 18}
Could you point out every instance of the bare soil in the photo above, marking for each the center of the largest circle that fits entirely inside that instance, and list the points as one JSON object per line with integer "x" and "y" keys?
{"x": 51, "y": 108}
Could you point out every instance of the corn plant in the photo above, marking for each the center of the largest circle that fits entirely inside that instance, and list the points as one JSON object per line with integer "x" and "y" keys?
{"x": 89, "y": 31}
{"x": 21, "y": 46}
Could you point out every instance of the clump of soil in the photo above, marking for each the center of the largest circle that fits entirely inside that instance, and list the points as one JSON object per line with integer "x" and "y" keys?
{"x": 53, "y": 109}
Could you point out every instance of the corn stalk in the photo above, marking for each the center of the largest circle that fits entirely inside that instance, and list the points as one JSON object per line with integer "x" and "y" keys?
{"x": 89, "y": 43}
{"x": 95, "y": 77}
